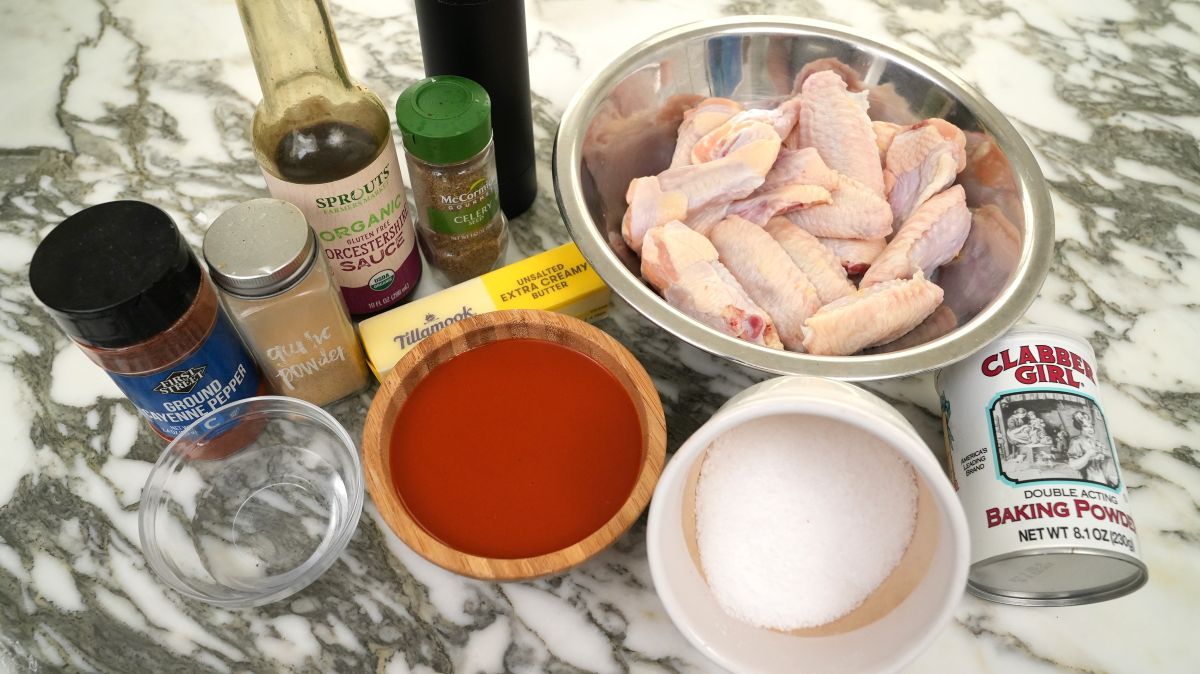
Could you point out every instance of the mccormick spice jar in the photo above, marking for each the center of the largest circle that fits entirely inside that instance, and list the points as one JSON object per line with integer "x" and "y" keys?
{"x": 122, "y": 282}
{"x": 1035, "y": 468}
{"x": 446, "y": 124}
{"x": 277, "y": 287}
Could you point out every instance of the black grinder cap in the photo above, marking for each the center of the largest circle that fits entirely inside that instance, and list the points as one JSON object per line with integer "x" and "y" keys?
{"x": 484, "y": 41}
{"x": 115, "y": 274}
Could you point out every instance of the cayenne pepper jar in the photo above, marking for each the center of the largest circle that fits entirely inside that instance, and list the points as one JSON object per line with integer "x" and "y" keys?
{"x": 446, "y": 125}
{"x": 280, "y": 293}
{"x": 121, "y": 281}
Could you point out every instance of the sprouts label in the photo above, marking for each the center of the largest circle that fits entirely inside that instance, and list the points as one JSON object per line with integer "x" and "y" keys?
{"x": 365, "y": 229}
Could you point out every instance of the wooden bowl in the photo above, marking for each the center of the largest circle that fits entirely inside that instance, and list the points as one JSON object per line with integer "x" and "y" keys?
{"x": 464, "y": 336}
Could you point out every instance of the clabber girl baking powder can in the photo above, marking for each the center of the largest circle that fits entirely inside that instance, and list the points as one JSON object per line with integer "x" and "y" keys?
{"x": 1034, "y": 464}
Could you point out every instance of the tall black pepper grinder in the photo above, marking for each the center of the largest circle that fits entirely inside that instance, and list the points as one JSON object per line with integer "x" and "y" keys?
{"x": 484, "y": 40}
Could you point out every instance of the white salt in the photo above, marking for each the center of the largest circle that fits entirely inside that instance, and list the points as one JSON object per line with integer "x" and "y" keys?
{"x": 799, "y": 519}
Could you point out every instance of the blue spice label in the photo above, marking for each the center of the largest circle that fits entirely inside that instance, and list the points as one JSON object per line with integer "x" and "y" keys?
{"x": 219, "y": 372}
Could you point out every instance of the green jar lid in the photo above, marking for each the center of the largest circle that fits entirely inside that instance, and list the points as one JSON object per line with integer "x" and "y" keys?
{"x": 444, "y": 119}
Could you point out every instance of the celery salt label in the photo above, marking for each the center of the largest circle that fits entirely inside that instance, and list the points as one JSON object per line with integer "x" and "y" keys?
{"x": 464, "y": 212}
{"x": 1033, "y": 461}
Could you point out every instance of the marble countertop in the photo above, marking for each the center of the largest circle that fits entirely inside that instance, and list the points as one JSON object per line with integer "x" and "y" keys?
{"x": 106, "y": 99}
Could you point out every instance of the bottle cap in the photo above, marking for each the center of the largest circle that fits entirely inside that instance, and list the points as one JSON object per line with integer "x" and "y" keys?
{"x": 115, "y": 274}
{"x": 444, "y": 119}
{"x": 259, "y": 247}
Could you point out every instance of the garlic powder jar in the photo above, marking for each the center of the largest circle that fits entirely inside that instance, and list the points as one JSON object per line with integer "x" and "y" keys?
{"x": 278, "y": 289}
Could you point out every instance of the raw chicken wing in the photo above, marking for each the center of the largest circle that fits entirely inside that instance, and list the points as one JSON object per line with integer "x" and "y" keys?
{"x": 649, "y": 207}
{"x": 768, "y": 276}
{"x": 732, "y": 177}
{"x": 885, "y": 102}
{"x": 617, "y": 146}
{"x": 800, "y": 166}
{"x": 835, "y": 122}
{"x": 885, "y": 133}
{"x": 786, "y": 116}
{"x": 782, "y": 118}
{"x": 927, "y": 240}
{"x": 841, "y": 69}
{"x": 856, "y": 255}
{"x": 704, "y": 219}
{"x": 940, "y": 322}
{"x": 869, "y": 317}
{"x": 739, "y": 131}
{"x": 951, "y": 134}
{"x": 765, "y": 204}
{"x": 683, "y": 266}
{"x": 854, "y": 212}
{"x": 818, "y": 263}
{"x": 921, "y": 162}
{"x": 706, "y": 116}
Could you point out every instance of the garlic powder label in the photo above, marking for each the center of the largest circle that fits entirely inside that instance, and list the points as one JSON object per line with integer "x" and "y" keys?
{"x": 305, "y": 356}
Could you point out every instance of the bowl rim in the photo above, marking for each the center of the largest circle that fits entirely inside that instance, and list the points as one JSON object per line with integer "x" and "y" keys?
{"x": 1037, "y": 246}
{"x": 288, "y": 583}
{"x": 896, "y": 433}
{"x": 481, "y": 329}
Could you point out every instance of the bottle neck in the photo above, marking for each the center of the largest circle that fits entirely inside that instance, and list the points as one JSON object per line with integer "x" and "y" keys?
{"x": 293, "y": 46}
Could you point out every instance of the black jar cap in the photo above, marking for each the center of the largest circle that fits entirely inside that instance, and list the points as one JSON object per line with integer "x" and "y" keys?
{"x": 115, "y": 274}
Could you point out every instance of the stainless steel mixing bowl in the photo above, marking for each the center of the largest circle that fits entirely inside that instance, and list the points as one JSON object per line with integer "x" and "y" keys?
{"x": 622, "y": 124}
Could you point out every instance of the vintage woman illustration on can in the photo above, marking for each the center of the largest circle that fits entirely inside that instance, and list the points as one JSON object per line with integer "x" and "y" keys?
{"x": 1052, "y": 435}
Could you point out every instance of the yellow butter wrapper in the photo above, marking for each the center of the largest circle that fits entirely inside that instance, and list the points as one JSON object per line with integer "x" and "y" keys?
{"x": 559, "y": 280}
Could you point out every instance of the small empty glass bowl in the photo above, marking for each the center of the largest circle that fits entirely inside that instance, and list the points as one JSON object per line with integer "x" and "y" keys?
{"x": 252, "y": 502}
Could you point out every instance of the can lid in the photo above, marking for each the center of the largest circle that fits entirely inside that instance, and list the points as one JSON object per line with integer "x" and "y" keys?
{"x": 259, "y": 247}
{"x": 444, "y": 119}
{"x": 1061, "y": 576}
{"x": 1038, "y": 328}
{"x": 115, "y": 274}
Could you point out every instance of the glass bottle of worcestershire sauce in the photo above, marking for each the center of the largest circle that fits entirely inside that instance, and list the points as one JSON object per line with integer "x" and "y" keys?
{"x": 324, "y": 143}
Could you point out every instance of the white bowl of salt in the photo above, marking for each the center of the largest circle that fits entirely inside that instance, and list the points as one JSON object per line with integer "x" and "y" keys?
{"x": 807, "y": 528}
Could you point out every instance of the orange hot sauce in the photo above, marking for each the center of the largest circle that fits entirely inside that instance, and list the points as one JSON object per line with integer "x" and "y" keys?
{"x": 515, "y": 449}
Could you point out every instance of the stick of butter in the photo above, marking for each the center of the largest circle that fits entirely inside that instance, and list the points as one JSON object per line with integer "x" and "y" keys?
{"x": 558, "y": 280}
